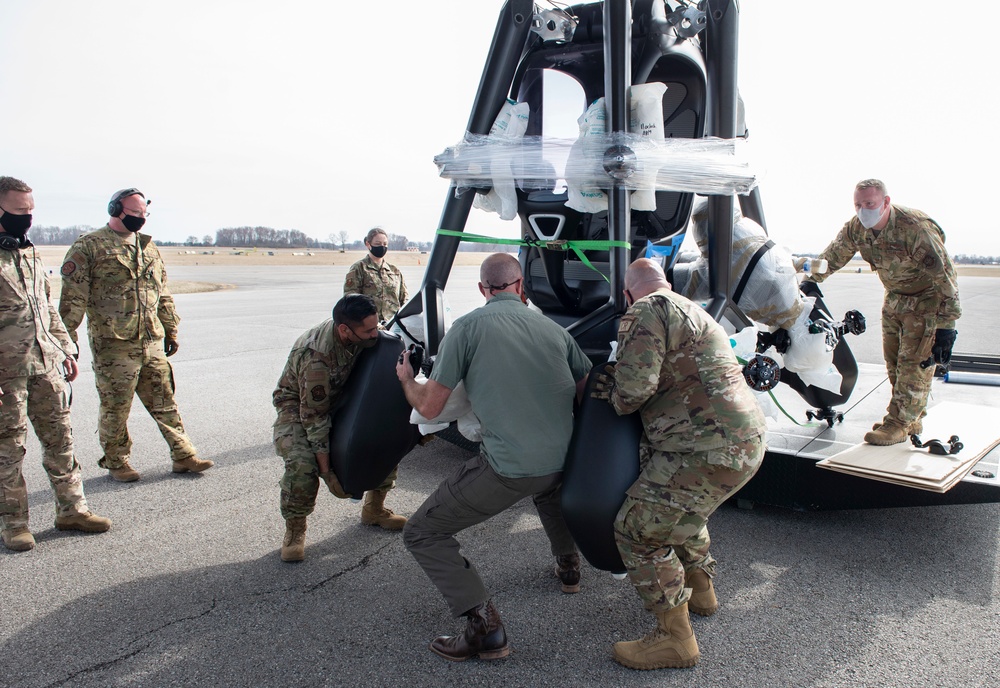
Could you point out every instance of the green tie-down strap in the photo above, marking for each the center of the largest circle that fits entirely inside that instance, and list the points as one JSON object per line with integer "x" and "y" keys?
{"x": 577, "y": 246}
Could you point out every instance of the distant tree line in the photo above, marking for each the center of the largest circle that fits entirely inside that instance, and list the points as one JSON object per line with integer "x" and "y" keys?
{"x": 263, "y": 236}
{"x": 966, "y": 259}
{"x": 57, "y": 236}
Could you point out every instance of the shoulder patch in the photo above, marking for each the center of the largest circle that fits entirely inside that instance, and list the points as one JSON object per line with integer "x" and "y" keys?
{"x": 318, "y": 393}
{"x": 627, "y": 323}
{"x": 68, "y": 268}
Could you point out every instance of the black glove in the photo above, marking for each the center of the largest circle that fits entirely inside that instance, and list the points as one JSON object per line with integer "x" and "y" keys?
{"x": 170, "y": 347}
{"x": 604, "y": 382}
{"x": 810, "y": 288}
{"x": 944, "y": 341}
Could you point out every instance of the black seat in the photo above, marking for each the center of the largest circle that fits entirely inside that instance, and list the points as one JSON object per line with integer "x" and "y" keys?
{"x": 557, "y": 281}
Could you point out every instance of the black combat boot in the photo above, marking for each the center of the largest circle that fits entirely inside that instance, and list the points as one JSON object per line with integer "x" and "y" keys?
{"x": 568, "y": 571}
{"x": 484, "y": 637}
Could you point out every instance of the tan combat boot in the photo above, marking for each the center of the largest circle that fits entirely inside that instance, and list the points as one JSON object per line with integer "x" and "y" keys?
{"x": 293, "y": 547}
{"x": 703, "y": 601}
{"x": 124, "y": 473}
{"x": 192, "y": 464}
{"x": 374, "y": 513}
{"x": 86, "y": 522}
{"x": 891, "y": 431}
{"x": 671, "y": 645}
{"x": 17, "y": 539}
{"x": 914, "y": 428}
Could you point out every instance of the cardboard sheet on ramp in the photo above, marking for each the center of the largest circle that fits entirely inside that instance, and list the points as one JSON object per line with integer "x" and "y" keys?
{"x": 977, "y": 427}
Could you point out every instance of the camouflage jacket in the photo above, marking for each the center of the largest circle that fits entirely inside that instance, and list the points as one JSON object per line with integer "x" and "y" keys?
{"x": 312, "y": 381}
{"x": 910, "y": 259}
{"x": 124, "y": 296}
{"x": 383, "y": 283}
{"x": 33, "y": 339}
{"x": 677, "y": 368}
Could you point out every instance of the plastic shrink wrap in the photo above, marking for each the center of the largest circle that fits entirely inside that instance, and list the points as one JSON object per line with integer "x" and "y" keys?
{"x": 770, "y": 295}
{"x": 504, "y": 158}
{"x": 511, "y": 123}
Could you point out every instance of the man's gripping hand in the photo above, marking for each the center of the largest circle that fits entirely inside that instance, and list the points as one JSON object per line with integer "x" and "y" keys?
{"x": 330, "y": 478}
{"x": 170, "y": 347}
{"x": 604, "y": 383}
{"x": 404, "y": 369}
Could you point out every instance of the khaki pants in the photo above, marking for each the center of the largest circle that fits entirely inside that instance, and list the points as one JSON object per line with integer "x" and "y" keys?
{"x": 474, "y": 494}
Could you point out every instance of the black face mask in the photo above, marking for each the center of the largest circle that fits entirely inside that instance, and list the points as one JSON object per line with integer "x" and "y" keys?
{"x": 364, "y": 343}
{"x": 133, "y": 223}
{"x": 379, "y": 251}
{"x": 15, "y": 225}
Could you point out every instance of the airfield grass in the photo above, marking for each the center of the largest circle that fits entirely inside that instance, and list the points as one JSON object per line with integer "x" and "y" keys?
{"x": 173, "y": 256}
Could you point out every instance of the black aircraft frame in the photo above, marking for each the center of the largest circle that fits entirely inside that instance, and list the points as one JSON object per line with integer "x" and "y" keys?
{"x": 607, "y": 47}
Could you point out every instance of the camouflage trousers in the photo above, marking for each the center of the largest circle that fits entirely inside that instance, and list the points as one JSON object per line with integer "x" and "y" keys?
{"x": 300, "y": 482}
{"x": 662, "y": 528}
{"x": 124, "y": 369}
{"x": 907, "y": 340}
{"x": 43, "y": 400}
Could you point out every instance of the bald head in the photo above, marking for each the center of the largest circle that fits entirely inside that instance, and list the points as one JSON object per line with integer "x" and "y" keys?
{"x": 500, "y": 272}
{"x": 643, "y": 277}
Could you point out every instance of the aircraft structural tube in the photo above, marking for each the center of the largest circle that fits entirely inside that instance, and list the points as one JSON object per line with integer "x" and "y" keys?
{"x": 617, "y": 22}
{"x": 513, "y": 27}
{"x": 721, "y": 61}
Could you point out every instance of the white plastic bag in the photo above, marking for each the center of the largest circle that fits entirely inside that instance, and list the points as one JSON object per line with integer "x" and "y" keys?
{"x": 646, "y": 119}
{"x": 457, "y": 408}
{"x": 809, "y": 355}
{"x": 583, "y": 155}
{"x": 511, "y": 123}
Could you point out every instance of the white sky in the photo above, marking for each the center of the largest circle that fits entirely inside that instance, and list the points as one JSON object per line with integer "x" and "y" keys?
{"x": 323, "y": 116}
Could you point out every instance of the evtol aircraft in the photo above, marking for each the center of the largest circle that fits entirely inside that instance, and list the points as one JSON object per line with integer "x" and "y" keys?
{"x": 661, "y": 124}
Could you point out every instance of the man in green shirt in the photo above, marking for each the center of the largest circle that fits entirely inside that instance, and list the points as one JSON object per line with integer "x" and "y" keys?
{"x": 521, "y": 372}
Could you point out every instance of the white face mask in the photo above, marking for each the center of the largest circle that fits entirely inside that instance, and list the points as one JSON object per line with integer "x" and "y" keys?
{"x": 869, "y": 217}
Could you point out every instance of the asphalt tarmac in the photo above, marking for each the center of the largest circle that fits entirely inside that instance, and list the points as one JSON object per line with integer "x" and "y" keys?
{"x": 187, "y": 588}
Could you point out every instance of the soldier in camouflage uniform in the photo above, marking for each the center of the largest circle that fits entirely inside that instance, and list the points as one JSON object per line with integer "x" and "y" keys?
{"x": 373, "y": 276}
{"x": 906, "y": 249}
{"x": 317, "y": 370}
{"x": 34, "y": 346}
{"x": 702, "y": 440}
{"x": 116, "y": 277}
